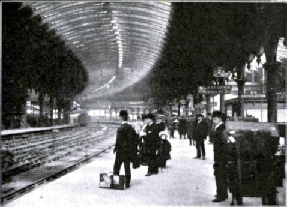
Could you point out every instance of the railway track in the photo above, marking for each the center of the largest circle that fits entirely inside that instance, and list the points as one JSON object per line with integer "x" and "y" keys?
{"x": 53, "y": 170}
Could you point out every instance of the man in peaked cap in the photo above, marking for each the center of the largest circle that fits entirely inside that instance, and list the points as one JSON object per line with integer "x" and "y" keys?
{"x": 219, "y": 158}
{"x": 125, "y": 147}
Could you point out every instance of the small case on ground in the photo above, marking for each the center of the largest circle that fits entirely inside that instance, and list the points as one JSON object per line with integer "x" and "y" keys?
{"x": 108, "y": 180}
{"x": 118, "y": 182}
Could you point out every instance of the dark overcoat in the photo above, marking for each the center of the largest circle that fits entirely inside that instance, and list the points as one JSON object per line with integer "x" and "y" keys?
{"x": 200, "y": 131}
{"x": 126, "y": 142}
{"x": 219, "y": 148}
{"x": 152, "y": 139}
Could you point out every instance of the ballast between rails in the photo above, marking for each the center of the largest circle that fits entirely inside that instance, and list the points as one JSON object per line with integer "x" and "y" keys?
{"x": 52, "y": 177}
{"x": 67, "y": 167}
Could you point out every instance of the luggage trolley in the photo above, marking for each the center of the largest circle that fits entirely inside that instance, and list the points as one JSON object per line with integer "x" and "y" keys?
{"x": 254, "y": 167}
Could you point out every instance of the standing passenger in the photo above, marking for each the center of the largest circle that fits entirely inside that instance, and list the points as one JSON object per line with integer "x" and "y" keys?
{"x": 125, "y": 147}
{"x": 219, "y": 158}
{"x": 190, "y": 129}
{"x": 152, "y": 141}
{"x": 200, "y": 135}
{"x": 171, "y": 127}
{"x": 164, "y": 150}
{"x": 182, "y": 127}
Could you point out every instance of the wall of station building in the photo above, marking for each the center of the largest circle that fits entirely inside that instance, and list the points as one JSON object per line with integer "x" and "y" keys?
{"x": 112, "y": 113}
{"x": 258, "y": 109}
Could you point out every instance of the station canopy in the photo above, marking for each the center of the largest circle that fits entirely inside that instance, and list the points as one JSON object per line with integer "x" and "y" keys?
{"x": 117, "y": 42}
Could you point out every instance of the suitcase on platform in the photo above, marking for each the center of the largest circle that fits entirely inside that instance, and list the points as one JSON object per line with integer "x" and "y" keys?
{"x": 118, "y": 182}
{"x": 108, "y": 180}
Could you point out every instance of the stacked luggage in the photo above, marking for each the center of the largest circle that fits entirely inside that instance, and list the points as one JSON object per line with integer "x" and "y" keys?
{"x": 254, "y": 166}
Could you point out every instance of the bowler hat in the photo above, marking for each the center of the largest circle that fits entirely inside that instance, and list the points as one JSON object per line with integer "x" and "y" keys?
{"x": 123, "y": 113}
{"x": 148, "y": 116}
{"x": 217, "y": 114}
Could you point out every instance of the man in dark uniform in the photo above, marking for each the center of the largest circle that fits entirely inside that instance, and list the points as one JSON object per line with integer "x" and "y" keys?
{"x": 125, "y": 147}
{"x": 200, "y": 133}
{"x": 150, "y": 133}
{"x": 219, "y": 147}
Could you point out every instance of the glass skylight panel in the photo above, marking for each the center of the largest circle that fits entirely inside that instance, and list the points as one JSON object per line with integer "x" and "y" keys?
{"x": 118, "y": 33}
{"x": 144, "y": 31}
{"x": 73, "y": 37}
{"x": 145, "y": 42}
{"x": 79, "y": 18}
{"x": 144, "y": 23}
{"x": 152, "y": 19}
{"x": 143, "y": 11}
{"x": 75, "y": 42}
{"x": 92, "y": 26}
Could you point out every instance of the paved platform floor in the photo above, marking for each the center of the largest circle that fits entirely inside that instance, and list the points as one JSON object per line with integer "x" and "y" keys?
{"x": 185, "y": 182}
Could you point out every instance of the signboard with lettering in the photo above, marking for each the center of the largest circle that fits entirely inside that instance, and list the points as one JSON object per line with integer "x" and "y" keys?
{"x": 213, "y": 90}
{"x": 253, "y": 96}
{"x": 218, "y": 91}
{"x": 218, "y": 87}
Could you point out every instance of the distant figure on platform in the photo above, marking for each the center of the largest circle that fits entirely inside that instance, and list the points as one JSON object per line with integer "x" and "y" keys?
{"x": 152, "y": 140}
{"x": 189, "y": 129}
{"x": 137, "y": 125}
{"x": 125, "y": 147}
{"x": 175, "y": 124}
{"x": 171, "y": 127}
{"x": 164, "y": 150}
{"x": 182, "y": 128}
{"x": 219, "y": 158}
{"x": 200, "y": 133}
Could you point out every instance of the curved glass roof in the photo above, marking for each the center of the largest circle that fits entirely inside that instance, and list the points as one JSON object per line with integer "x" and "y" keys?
{"x": 118, "y": 42}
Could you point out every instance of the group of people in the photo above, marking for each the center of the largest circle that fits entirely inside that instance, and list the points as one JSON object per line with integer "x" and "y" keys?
{"x": 212, "y": 128}
{"x": 151, "y": 141}
{"x": 181, "y": 125}
{"x": 149, "y": 144}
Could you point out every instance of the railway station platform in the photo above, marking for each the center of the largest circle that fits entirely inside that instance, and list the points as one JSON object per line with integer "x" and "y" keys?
{"x": 184, "y": 182}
